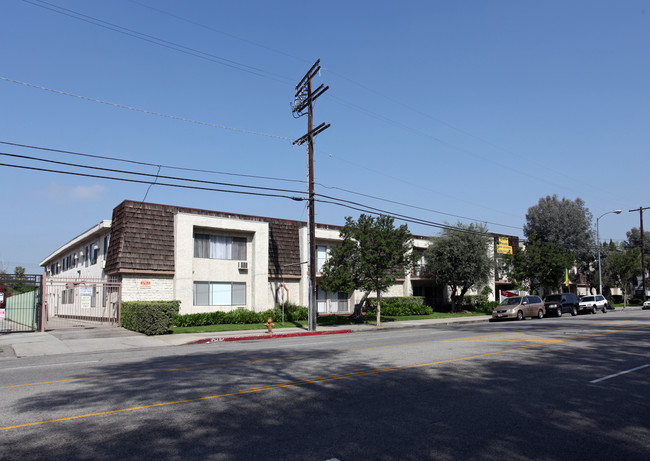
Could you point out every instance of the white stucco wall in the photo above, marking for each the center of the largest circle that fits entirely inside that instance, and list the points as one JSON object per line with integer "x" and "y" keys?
{"x": 189, "y": 269}
{"x": 79, "y": 253}
{"x": 147, "y": 288}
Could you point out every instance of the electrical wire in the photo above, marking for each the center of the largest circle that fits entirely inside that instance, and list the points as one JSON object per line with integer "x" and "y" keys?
{"x": 332, "y": 200}
{"x": 138, "y": 181}
{"x": 144, "y": 111}
{"x": 249, "y": 176}
{"x": 157, "y": 41}
{"x": 174, "y": 178}
{"x": 135, "y": 162}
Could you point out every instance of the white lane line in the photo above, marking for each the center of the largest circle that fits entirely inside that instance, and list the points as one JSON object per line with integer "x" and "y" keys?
{"x": 48, "y": 365}
{"x": 619, "y": 374}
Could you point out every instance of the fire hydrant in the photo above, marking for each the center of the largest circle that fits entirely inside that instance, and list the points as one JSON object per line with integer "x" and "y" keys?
{"x": 269, "y": 325}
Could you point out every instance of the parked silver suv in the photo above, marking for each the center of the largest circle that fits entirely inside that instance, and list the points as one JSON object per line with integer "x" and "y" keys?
{"x": 593, "y": 304}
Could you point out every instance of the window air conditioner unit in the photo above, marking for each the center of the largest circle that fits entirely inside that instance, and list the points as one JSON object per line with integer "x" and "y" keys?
{"x": 242, "y": 265}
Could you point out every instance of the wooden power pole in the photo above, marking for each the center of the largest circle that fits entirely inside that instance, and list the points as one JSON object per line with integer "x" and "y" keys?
{"x": 304, "y": 100}
{"x": 640, "y": 210}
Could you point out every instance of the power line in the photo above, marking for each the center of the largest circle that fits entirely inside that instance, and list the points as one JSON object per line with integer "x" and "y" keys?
{"x": 144, "y": 111}
{"x": 174, "y": 178}
{"x": 138, "y": 181}
{"x": 155, "y": 40}
{"x": 332, "y": 200}
{"x": 117, "y": 159}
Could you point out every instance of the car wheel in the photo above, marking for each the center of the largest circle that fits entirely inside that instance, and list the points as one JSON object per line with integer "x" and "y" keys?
{"x": 540, "y": 314}
{"x": 594, "y": 310}
{"x": 604, "y": 310}
{"x": 559, "y": 312}
{"x": 520, "y": 315}
{"x": 574, "y": 311}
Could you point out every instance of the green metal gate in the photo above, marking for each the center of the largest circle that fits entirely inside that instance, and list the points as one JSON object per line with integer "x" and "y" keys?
{"x": 20, "y": 302}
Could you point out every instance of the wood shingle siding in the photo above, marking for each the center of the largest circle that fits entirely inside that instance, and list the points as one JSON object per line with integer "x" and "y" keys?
{"x": 142, "y": 239}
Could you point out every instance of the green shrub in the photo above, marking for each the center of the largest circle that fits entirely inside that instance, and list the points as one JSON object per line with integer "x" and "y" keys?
{"x": 399, "y": 306}
{"x": 487, "y": 307}
{"x": 292, "y": 313}
{"x": 149, "y": 317}
{"x": 470, "y": 302}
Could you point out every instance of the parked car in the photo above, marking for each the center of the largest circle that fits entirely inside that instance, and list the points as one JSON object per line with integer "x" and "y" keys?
{"x": 593, "y": 304}
{"x": 560, "y": 303}
{"x": 519, "y": 307}
{"x": 646, "y": 304}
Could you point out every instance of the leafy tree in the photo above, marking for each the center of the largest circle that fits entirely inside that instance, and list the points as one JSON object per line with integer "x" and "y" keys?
{"x": 565, "y": 223}
{"x": 634, "y": 240}
{"x": 622, "y": 267}
{"x": 20, "y": 287}
{"x": 460, "y": 259}
{"x": 539, "y": 265}
{"x": 372, "y": 255}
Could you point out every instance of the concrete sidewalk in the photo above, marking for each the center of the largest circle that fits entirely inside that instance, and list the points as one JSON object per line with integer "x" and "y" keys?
{"x": 55, "y": 342}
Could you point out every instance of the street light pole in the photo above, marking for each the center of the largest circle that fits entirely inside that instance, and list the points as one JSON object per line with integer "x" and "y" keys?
{"x": 600, "y": 272}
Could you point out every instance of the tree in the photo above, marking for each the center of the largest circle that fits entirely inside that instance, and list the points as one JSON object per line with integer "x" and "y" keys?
{"x": 634, "y": 240}
{"x": 564, "y": 223}
{"x": 621, "y": 268}
{"x": 373, "y": 254}
{"x": 460, "y": 259}
{"x": 539, "y": 265}
{"x": 20, "y": 287}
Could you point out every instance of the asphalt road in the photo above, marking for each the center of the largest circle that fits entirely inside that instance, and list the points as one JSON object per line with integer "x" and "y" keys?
{"x": 567, "y": 388}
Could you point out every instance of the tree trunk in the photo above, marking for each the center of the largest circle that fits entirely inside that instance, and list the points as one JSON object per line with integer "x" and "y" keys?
{"x": 357, "y": 314}
{"x": 378, "y": 308}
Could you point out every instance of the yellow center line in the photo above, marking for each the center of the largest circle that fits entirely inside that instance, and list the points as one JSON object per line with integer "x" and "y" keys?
{"x": 320, "y": 379}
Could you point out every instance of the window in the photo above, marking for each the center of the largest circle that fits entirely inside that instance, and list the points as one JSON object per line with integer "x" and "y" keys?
{"x": 67, "y": 296}
{"x": 94, "y": 254}
{"x": 219, "y": 294}
{"x": 337, "y": 302}
{"x": 219, "y": 247}
{"x": 321, "y": 257}
{"x": 105, "y": 245}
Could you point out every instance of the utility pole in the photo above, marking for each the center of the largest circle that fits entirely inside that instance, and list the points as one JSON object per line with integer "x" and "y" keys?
{"x": 640, "y": 210}
{"x": 304, "y": 99}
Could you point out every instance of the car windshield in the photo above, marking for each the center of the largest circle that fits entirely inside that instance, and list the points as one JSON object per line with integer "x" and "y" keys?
{"x": 587, "y": 298}
{"x": 511, "y": 301}
{"x": 553, "y": 298}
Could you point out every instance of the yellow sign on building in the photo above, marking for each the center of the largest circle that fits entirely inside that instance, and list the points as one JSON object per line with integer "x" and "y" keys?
{"x": 503, "y": 247}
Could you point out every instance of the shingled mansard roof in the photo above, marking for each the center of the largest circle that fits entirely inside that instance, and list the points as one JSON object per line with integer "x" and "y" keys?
{"x": 142, "y": 239}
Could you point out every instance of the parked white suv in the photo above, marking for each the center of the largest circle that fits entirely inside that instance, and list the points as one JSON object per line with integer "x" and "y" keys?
{"x": 593, "y": 304}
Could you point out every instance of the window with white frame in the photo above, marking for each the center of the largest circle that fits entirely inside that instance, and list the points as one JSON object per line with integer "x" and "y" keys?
{"x": 94, "y": 254}
{"x": 331, "y": 301}
{"x": 219, "y": 247}
{"x": 321, "y": 257}
{"x": 219, "y": 294}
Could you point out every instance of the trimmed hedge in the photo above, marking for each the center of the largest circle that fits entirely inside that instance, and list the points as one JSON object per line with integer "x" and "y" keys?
{"x": 399, "y": 306}
{"x": 292, "y": 313}
{"x": 149, "y": 317}
{"x": 471, "y": 302}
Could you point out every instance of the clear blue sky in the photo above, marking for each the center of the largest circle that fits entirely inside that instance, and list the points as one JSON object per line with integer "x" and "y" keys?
{"x": 474, "y": 108}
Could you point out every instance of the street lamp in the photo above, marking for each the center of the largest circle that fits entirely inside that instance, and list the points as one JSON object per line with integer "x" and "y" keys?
{"x": 600, "y": 272}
